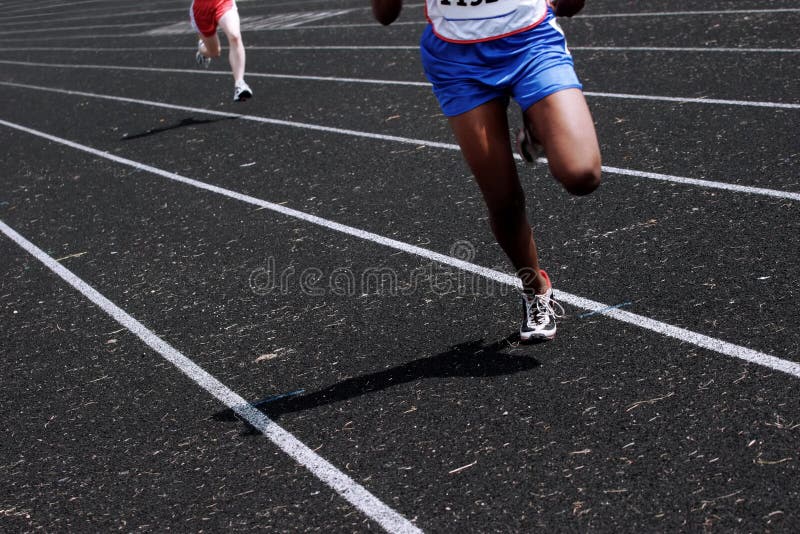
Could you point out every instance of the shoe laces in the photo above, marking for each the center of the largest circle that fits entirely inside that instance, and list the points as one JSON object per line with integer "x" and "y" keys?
{"x": 545, "y": 306}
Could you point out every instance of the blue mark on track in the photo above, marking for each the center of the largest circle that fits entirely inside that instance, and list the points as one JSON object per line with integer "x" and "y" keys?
{"x": 276, "y": 397}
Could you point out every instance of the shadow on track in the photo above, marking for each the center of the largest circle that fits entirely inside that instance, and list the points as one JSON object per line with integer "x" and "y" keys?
{"x": 181, "y": 124}
{"x": 469, "y": 359}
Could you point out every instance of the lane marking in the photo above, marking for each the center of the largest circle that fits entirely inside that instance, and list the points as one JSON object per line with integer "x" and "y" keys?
{"x": 419, "y": 142}
{"x": 249, "y": 24}
{"x": 413, "y": 48}
{"x": 600, "y": 312}
{"x": 350, "y": 490}
{"x": 86, "y": 17}
{"x": 701, "y": 49}
{"x": 60, "y": 19}
{"x": 423, "y": 22}
{"x": 42, "y": 6}
{"x": 681, "y": 334}
{"x": 689, "y": 13}
{"x": 371, "y": 81}
{"x": 703, "y": 100}
{"x": 75, "y": 28}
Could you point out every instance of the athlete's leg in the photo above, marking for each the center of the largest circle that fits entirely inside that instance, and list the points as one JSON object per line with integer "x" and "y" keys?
{"x": 203, "y": 22}
{"x": 483, "y": 136}
{"x": 211, "y": 46}
{"x": 230, "y": 26}
{"x": 563, "y": 125}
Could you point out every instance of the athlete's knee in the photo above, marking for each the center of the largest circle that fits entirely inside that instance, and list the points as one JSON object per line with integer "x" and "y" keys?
{"x": 580, "y": 179}
{"x": 235, "y": 39}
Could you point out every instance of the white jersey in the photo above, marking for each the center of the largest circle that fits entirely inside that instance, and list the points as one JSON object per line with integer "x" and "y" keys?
{"x": 470, "y": 21}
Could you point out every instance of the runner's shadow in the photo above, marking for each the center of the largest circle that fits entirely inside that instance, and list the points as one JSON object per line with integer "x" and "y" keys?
{"x": 181, "y": 124}
{"x": 470, "y": 359}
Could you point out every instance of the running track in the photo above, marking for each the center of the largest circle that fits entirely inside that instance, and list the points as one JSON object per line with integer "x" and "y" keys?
{"x": 290, "y": 315}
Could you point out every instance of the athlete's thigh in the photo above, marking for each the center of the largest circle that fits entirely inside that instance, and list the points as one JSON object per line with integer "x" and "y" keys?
{"x": 563, "y": 124}
{"x": 482, "y": 134}
{"x": 229, "y": 21}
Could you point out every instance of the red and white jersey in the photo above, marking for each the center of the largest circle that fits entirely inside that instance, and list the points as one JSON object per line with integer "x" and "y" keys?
{"x": 471, "y": 21}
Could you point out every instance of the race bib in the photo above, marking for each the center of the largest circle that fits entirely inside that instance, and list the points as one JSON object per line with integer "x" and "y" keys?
{"x": 467, "y": 21}
{"x": 476, "y": 9}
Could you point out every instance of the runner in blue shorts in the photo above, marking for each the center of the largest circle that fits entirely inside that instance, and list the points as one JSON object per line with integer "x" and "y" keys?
{"x": 478, "y": 54}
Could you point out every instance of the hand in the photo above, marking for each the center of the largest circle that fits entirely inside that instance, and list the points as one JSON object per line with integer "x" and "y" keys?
{"x": 567, "y": 8}
{"x": 386, "y": 11}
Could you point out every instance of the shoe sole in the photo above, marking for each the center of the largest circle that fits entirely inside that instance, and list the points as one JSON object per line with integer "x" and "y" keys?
{"x": 536, "y": 337}
{"x": 243, "y": 97}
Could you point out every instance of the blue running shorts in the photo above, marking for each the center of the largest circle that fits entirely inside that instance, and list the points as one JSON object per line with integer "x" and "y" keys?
{"x": 528, "y": 66}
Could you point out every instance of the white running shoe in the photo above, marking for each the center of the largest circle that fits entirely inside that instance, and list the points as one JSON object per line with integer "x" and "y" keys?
{"x": 539, "y": 314}
{"x": 200, "y": 59}
{"x": 528, "y": 147}
{"x": 242, "y": 92}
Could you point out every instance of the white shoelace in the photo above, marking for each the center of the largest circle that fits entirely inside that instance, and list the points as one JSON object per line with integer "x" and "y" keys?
{"x": 544, "y": 306}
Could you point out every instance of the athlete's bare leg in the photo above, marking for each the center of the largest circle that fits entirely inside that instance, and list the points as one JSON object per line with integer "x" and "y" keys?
{"x": 210, "y": 46}
{"x": 483, "y": 136}
{"x": 563, "y": 125}
{"x": 231, "y": 27}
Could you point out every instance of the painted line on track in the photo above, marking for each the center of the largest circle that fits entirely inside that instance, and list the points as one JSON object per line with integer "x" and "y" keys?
{"x": 20, "y": 13}
{"x": 681, "y": 334}
{"x": 418, "y": 142}
{"x": 145, "y": 12}
{"x": 76, "y": 28}
{"x": 648, "y": 14}
{"x": 350, "y": 490}
{"x": 423, "y": 22}
{"x": 41, "y": 6}
{"x": 684, "y": 49}
{"x": 372, "y": 81}
{"x": 85, "y": 17}
{"x": 689, "y": 13}
{"x": 28, "y": 9}
{"x": 412, "y": 48}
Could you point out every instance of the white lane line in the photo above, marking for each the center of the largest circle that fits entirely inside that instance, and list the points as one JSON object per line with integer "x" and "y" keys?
{"x": 413, "y": 48}
{"x": 75, "y": 28}
{"x": 137, "y": 13}
{"x": 625, "y": 96}
{"x": 692, "y": 100}
{"x": 87, "y": 17}
{"x": 53, "y": 5}
{"x": 689, "y": 13}
{"x": 422, "y": 22}
{"x": 682, "y": 334}
{"x": 585, "y": 16}
{"x": 350, "y": 490}
{"x": 41, "y": 6}
{"x": 682, "y": 49}
{"x": 255, "y": 23}
{"x": 417, "y": 142}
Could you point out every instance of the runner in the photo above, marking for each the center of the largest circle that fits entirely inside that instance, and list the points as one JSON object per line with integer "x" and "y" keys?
{"x": 206, "y": 16}
{"x": 477, "y": 54}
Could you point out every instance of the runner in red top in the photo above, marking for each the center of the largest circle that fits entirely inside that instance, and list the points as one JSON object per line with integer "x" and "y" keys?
{"x": 206, "y": 16}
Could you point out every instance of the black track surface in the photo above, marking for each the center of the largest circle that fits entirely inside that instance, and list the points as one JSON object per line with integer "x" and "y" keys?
{"x": 610, "y": 428}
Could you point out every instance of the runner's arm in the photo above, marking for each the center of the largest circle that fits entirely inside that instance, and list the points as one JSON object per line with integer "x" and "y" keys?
{"x": 386, "y": 11}
{"x": 567, "y": 8}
